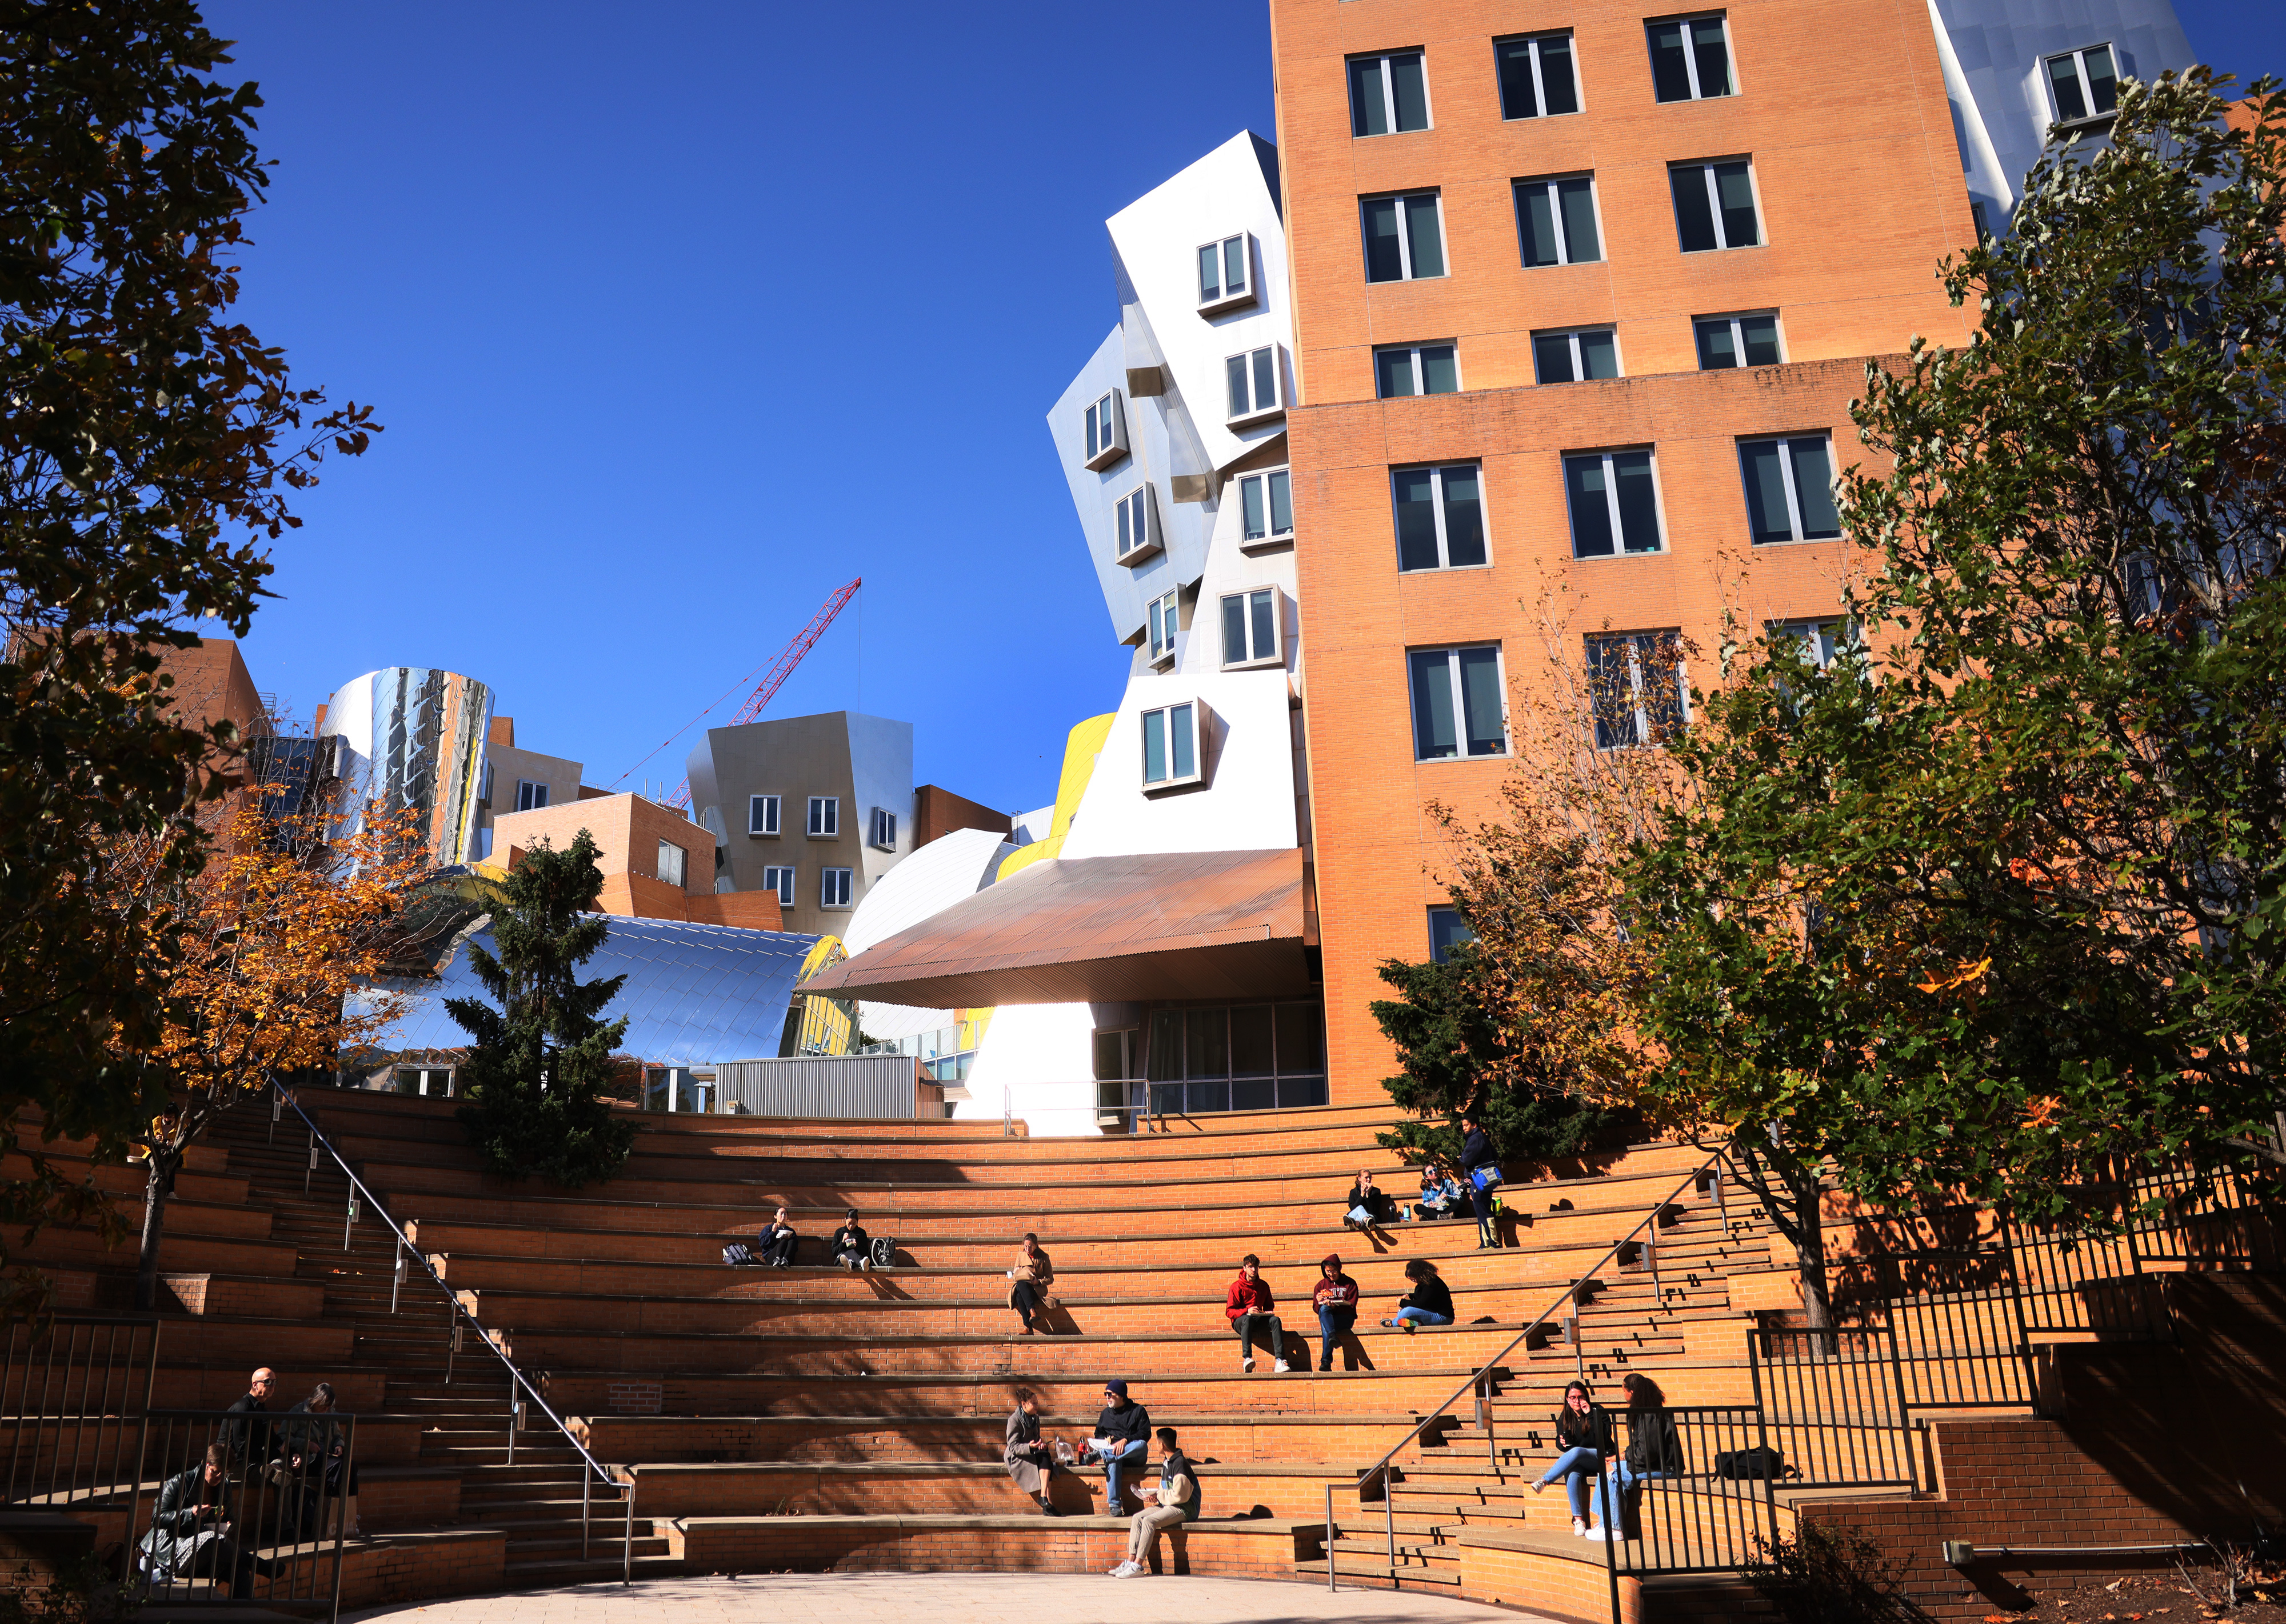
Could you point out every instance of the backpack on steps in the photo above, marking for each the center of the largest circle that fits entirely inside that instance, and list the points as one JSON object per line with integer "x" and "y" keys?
{"x": 740, "y": 1255}
{"x": 1761, "y": 1462}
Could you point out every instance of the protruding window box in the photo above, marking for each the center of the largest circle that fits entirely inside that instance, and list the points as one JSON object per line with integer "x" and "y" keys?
{"x": 1174, "y": 746}
{"x": 1226, "y": 274}
{"x": 1254, "y": 383}
{"x": 1103, "y": 432}
{"x": 1135, "y": 526}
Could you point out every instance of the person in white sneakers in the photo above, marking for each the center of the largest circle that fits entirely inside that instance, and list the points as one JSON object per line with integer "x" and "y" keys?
{"x": 1253, "y": 1313}
{"x": 1584, "y": 1455}
{"x": 1169, "y": 1503}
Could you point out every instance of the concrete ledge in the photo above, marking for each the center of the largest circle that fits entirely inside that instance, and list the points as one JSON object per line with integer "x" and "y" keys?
{"x": 1258, "y": 1548}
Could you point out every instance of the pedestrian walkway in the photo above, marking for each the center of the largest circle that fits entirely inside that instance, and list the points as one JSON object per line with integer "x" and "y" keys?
{"x": 942, "y": 1598}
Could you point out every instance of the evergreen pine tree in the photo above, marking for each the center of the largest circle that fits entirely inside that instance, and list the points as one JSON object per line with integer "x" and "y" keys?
{"x": 535, "y": 1075}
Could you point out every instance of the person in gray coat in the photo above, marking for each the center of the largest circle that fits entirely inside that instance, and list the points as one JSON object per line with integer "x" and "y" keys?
{"x": 1028, "y": 1456}
{"x": 192, "y": 1536}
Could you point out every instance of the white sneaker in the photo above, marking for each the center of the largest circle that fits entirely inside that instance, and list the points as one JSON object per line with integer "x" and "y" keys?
{"x": 1127, "y": 1570}
{"x": 1579, "y": 1529}
{"x": 1283, "y": 1368}
{"x": 1247, "y": 1364}
{"x": 1603, "y": 1533}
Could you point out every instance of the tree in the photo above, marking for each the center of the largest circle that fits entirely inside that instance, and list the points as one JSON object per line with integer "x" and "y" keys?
{"x": 147, "y": 446}
{"x": 539, "y": 1072}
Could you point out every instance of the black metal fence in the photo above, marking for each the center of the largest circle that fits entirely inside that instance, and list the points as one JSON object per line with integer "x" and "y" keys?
{"x": 1704, "y": 1506}
{"x": 243, "y": 1508}
{"x": 1834, "y": 1404}
{"x": 73, "y": 1393}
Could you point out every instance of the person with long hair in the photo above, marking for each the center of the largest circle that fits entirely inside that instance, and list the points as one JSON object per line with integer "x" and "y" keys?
{"x": 1428, "y": 1303}
{"x": 1654, "y": 1445}
{"x": 1583, "y": 1449}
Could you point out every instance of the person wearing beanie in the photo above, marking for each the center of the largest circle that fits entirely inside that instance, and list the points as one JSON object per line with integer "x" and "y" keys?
{"x": 1123, "y": 1434}
{"x": 1335, "y": 1299}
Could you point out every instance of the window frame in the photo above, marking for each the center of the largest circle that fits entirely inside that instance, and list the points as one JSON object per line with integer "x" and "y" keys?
{"x": 1139, "y": 511}
{"x": 1539, "y": 79}
{"x": 1162, "y": 613}
{"x": 2079, "y": 55}
{"x": 1612, "y": 515}
{"x": 1812, "y": 630}
{"x": 1440, "y": 951}
{"x": 1250, "y": 364}
{"x": 682, "y": 865}
{"x": 1796, "y": 520}
{"x": 1195, "y": 716}
{"x": 837, "y": 888}
{"x": 1405, "y": 246}
{"x": 1437, "y": 508}
{"x": 1517, "y": 190}
{"x": 1225, "y": 297}
{"x": 1736, "y": 321}
{"x": 1246, "y": 597}
{"x": 1579, "y": 366}
{"x": 1690, "y": 56}
{"x": 1458, "y": 692}
{"x": 1639, "y": 713}
{"x": 882, "y": 830}
{"x": 1381, "y": 60}
{"x": 1706, "y": 168}
{"x": 780, "y": 879}
{"x": 1103, "y": 430}
{"x": 532, "y": 795}
{"x": 1271, "y": 536}
{"x": 1416, "y": 368}
{"x": 829, "y": 827}
{"x": 774, "y": 823}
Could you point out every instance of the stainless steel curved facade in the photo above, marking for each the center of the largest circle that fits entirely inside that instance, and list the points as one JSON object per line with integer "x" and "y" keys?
{"x": 409, "y": 736}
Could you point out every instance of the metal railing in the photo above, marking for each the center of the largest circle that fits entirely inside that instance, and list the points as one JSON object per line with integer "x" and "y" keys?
{"x": 1706, "y": 1178}
{"x": 255, "y": 1502}
{"x": 1686, "y": 1516}
{"x": 75, "y": 1392}
{"x": 1835, "y": 1403}
{"x": 521, "y": 1390}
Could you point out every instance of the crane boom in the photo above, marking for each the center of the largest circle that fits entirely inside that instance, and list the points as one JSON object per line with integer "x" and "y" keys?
{"x": 781, "y": 668}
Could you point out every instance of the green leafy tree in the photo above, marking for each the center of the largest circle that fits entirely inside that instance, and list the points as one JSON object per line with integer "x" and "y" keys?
{"x": 539, "y": 1073}
{"x": 147, "y": 448}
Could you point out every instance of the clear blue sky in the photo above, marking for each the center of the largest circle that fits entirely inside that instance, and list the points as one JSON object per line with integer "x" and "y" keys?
{"x": 681, "y": 315}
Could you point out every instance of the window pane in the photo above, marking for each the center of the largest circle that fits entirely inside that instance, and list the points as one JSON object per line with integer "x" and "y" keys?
{"x": 1514, "y": 60}
{"x": 1638, "y": 504}
{"x": 1154, "y": 746}
{"x": 1367, "y": 114}
{"x": 1670, "y": 73}
{"x": 1762, "y": 336}
{"x": 1250, "y": 501}
{"x": 1262, "y": 608}
{"x": 1581, "y": 246}
{"x": 1591, "y": 513}
{"x": 1412, "y": 94}
{"x": 1715, "y": 353}
{"x": 1737, "y": 191}
{"x": 1281, "y": 504}
{"x": 1163, "y": 1058}
{"x": 1233, "y": 265}
{"x": 1091, "y": 446}
{"x": 1694, "y": 217}
{"x": 1233, "y": 629}
{"x": 1126, "y": 540}
{"x": 1393, "y": 373}
{"x": 1235, "y": 373}
{"x": 1446, "y": 931}
{"x": 2102, "y": 83}
{"x": 1294, "y": 1092}
{"x": 1612, "y": 692}
{"x": 1202, "y": 1098}
{"x": 1660, "y": 661}
{"x": 2064, "y": 73}
{"x": 1433, "y": 736}
{"x": 1249, "y": 1042}
{"x": 1384, "y": 259}
{"x": 1254, "y": 1094}
{"x": 1813, "y": 488}
{"x": 1421, "y": 236}
{"x": 1206, "y": 1049}
{"x": 1480, "y": 695}
{"x": 1556, "y": 75}
{"x": 1416, "y": 519}
{"x": 1301, "y": 1041}
{"x": 1536, "y": 218}
{"x": 1464, "y": 517}
{"x": 1167, "y": 1098}
{"x": 1440, "y": 374}
{"x": 1599, "y": 355}
{"x": 1551, "y": 358}
{"x": 1714, "y": 57}
{"x": 1766, "y": 503}
{"x": 1182, "y": 746}
{"x": 1209, "y": 274}
{"x": 1265, "y": 377}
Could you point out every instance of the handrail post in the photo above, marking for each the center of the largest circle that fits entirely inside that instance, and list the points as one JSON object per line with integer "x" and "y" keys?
{"x": 1484, "y": 1414}
{"x": 396, "y": 1277}
{"x": 628, "y": 1545}
{"x": 1388, "y": 1522}
{"x": 351, "y": 1223}
{"x": 312, "y": 1168}
{"x": 584, "y": 1481}
{"x": 1651, "y": 1249}
{"x": 1331, "y": 1584}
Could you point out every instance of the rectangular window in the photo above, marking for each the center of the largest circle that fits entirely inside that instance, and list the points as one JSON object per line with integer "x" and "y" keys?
{"x": 1576, "y": 356}
{"x": 1416, "y": 369}
{"x": 1820, "y": 640}
{"x": 833, "y": 889}
{"x": 1690, "y": 58}
{"x": 1226, "y": 273}
{"x": 1388, "y": 94}
{"x": 884, "y": 830}
{"x": 1747, "y": 340}
{"x": 1253, "y": 383}
{"x": 1555, "y": 220}
{"x": 1403, "y": 237}
{"x": 1614, "y": 500}
{"x": 1715, "y": 205}
{"x": 762, "y": 814}
{"x": 1105, "y": 434}
{"x": 1159, "y": 622}
{"x": 1459, "y": 706}
{"x": 1172, "y": 754}
{"x": 1441, "y": 517}
{"x": 1256, "y": 1057}
{"x": 825, "y": 817}
{"x": 1135, "y": 525}
{"x": 671, "y": 860}
{"x": 1790, "y": 488}
{"x": 529, "y": 796}
{"x": 1535, "y": 77}
{"x": 1249, "y": 628}
{"x": 1446, "y": 931}
{"x": 1636, "y": 687}
{"x": 2085, "y": 83}
{"x": 486, "y": 795}
{"x": 780, "y": 879}
{"x": 1265, "y": 508}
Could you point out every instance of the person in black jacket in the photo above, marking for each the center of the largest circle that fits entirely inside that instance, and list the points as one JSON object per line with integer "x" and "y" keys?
{"x": 1366, "y": 1197}
{"x": 1583, "y": 1453}
{"x": 1477, "y": 1152}
{"x": 250, "y": 1441}
{"x": 774, "y": 1245}
{"x": 1122, "y": 1439}
{"x": 1428, "y": 1303}
{"x": 192, "y": 1536}
{"x": 315, "y": 1449}
{"x": 1654, "y": 1445}
{"x": 853, "y": 1248}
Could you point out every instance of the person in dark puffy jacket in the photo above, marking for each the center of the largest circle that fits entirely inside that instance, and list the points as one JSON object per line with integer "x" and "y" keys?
{"x": 1654, "y": 1443}
{"x": 1477, "y": 1152}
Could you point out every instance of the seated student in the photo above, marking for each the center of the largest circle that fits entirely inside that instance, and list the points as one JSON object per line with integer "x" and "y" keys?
{"x": 1123, "y": 1430}
{"x": 1168, "y": 1503}
{"x": 248, "y": 1441}
{"x": 1029, "y": 1457}
{"x": 192, "y": 1536}
{"x": 1335, "y": 1299}
{"x": 1034, "y": 1274}
{"x": 1428, "y": 1303}
{"x": 1252, "y": 1311}
{"x": 315, "y": 1449}
{"x": 1583, "y": 1452}
{"x": 1441, "y": 1196}
{"x": 1368, "y": 1207}
{"x": 853, "y": 1248}
{"x": 1654, "y": 1445}
{"x": 775, "y": 1246}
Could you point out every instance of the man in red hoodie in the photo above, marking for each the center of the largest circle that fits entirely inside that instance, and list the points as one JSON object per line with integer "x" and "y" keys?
{"x": 1252, "y": 1313}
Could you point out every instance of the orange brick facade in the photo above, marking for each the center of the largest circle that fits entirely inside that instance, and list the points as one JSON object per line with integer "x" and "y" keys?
{"x": 1856, "y": 206}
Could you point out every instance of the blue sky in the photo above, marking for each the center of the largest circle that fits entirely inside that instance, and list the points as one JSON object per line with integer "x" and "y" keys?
{"x": 681, "y": 316}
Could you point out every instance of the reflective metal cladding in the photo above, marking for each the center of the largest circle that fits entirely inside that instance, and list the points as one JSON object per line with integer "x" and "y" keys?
{"x": 408, "y": 736}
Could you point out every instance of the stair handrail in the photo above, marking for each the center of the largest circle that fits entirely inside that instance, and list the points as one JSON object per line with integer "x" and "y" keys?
{"x": 484, "y": 1339}
{"x": 1481, "y": 1373}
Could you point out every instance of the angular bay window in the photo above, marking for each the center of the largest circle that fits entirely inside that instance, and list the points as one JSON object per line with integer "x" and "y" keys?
{"x": 2084, "y": 83}
{"x": 1576, "y": 356}
{"x": 1690, "y": 58}
{"x": 1536, "y": 80}
{"x": 1459, "y": 707}
{"x": 1747, "y": 340}
{"x": 1416, "y": 369}
{"x": 1447, "y": 929}
{"x": 1226, "y": 274}
{"x": 883, "y": 833}
{"x": 1388, "y": 94}
{"x": 1555, "y": 220}
{"x": 1403, "y": 237}
{"x": 671, "y": 861}
{"x": 1253, "y": 384}
{"x": 1790, "y": 488}
{"x": 1637, "y": 692}
{"x": 1441, "y": 517}
{"x": 1172, "y": 755}
{"x": 1614, "y": 501}
{"x": 1249, "y": 628}
{"x": 1159, "y": 621}
{"x": 1104, "y": 436}
{"x": 1135, "y": 525}
{"x": 1265, "y": 508}
{"x": 1715, "y": 205}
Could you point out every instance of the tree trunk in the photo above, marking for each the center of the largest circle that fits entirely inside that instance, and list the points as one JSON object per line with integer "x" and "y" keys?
{"x": 1809, "y": 1251}
{"x": 158, "y": 1184}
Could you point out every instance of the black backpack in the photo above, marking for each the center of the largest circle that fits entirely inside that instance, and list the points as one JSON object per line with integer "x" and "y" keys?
{"x": 1761, "y": 1461}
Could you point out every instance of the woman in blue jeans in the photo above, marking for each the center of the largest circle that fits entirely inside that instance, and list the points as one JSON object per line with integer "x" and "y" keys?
{"x": 1583, "y": 1449}
{"x": 1428, "y": 1303}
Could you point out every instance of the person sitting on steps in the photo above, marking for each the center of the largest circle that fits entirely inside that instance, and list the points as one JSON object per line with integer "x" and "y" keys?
{"x": 1428, "y": 1303}
{"x": 1029, "y": 1457}
{"x": 1440, "y": 1193}
{"x": 1034, "y": 1274}
{"x": 775, "y": 1246}
{"x": 1123, "y": 1433}
{"x": 1583, "y": 1453}
{"x": 1654, "y": 1445}
{"x": 1252, "y": 1311}
{"x": 1335, "y": 1299}
{"x": 192, "y": 1536}
{"x": 1171, "y": 1502}
{"x": 852, "y": 1247}
{"x": 1368, "y": 1207}
{"x": 315, "y": 1449}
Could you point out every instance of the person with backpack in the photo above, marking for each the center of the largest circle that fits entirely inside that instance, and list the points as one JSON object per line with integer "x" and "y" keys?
{"x": 1252, "y": 1311}
{"x": 1335, "y": 1299}
{"x": 853, "y": 1248}
{"x": 1583, "y": 1453}
{"x": 1174, "y": 1500}
{"x": 1481, "y": 1170}
{"x": 1428, "y": 1303}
